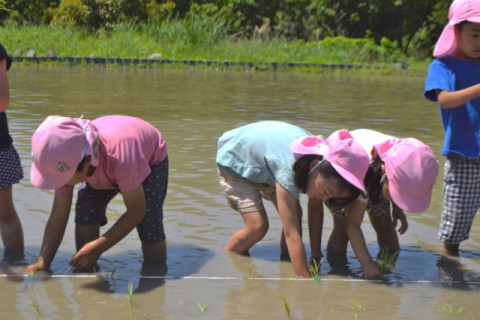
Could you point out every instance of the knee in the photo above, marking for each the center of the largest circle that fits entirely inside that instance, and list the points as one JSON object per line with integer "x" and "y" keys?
{"x": 259, "y": 229}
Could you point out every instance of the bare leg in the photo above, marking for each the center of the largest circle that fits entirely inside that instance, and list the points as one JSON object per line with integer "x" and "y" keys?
{"x": 10, "y": 226}
{"x": 338, "y": 241}
{"x": 387, "y": 237}
{"x": 256, "y": 226}
{"x": 154, "y": 252}
{"x": 451, "y": 249}
{"x": 85, "y": 233}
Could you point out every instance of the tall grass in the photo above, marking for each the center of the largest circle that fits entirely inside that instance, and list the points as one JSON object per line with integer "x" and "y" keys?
{"x": 194, "y": 39}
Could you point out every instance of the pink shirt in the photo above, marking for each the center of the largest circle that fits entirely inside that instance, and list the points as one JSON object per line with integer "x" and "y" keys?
{"x": 128, "y": 148}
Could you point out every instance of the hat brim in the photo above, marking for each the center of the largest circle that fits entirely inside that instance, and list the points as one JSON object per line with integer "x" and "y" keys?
{"x": 410, "y": 204}
{"x": 49, "y": 182}
{"x": 352, "y": 179}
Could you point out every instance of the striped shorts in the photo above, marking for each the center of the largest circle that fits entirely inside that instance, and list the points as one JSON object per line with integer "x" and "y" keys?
{"x": 11, "y": 171}
{"x": 461, "y": 200}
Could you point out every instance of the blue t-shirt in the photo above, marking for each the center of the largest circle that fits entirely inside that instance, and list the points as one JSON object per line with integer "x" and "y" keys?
{"x": 260, "y": 152}
{"x": 461, "y": 124}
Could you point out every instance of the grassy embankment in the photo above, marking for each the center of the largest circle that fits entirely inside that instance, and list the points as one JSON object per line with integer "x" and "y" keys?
{"x": 199, "y": 40}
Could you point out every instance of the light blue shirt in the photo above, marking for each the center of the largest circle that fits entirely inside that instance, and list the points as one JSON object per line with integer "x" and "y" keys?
{"x": 260, "y": 152}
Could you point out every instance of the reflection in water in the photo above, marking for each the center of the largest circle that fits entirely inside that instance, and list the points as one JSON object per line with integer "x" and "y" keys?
{"x": 192, "y": 108}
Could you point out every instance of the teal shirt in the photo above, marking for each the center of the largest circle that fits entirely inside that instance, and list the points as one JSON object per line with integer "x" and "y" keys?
{"x": 260, "y": 152}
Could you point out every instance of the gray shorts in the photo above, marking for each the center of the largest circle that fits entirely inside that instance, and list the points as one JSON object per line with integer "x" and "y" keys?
{"x": 92, "y": 204}
{"x": 461, "y": 199}
{"x": 11, "y": 171}
{"x": 245, "y": 196}
{"x": 380, "y": 209}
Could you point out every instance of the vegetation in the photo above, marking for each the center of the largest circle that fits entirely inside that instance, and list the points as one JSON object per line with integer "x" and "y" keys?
{"x": 353, "y": 32}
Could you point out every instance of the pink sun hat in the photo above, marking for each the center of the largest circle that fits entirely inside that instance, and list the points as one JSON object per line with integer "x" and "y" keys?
{"x": 58, "y": 146}
{"x": 460, "y": 10}
{"x": 411, "y": 169}
{"x": 346, "y": 155}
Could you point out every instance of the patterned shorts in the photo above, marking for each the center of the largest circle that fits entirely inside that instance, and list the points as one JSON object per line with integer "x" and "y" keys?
{"x": 92, "y": 204}
{"x": 245, "y": 196}
{"x": 461, "y": 199}
{"x": 11, "y": 171}
{"x": 380, "y": 209}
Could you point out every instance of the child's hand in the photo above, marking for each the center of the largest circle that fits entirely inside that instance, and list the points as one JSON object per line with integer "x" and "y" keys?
{"x": 34, "y": 268}
{"x": 398, "y": 214}
{"x": 87, "y": 256}
{"x": 371, "y": 271}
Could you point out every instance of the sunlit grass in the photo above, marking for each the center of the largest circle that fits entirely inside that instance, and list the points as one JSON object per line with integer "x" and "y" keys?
{"x": 197, "y": 40}
{"x": 130, "y": 295}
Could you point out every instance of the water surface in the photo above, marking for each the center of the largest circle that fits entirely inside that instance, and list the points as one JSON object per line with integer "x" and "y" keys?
{"x": 192, "y": 108}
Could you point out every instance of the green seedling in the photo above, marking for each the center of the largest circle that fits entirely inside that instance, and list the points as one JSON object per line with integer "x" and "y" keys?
{"x": 201, "y": 306}
{"x": 386, "y": 261}
{"x": 130, "y": 295}
{"x": 314, "y": 268}
{"x": 452, "y": 311}
{"x": 285, "y": 303}
{"x": 34, "y": 299}
{"x": 355, "y": 305}
{"x": 248, "y": 289}
{"x": 112, "y": 273}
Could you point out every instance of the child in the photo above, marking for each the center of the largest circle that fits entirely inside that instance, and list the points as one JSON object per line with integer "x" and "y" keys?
{"x": 401, "y": 171}
{"x": 255, "y": 161}
{"x": 111, "y": 154}
{"x": 10, "y": 168}
{"x": 453, "y": 81}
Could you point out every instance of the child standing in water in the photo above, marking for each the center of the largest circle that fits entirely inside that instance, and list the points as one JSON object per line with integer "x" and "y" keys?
{"x": 401, "y": 172}
{"x": 255, "y": 162}
{"x": 112, "y": 154}
{"x": 453, "y": 81}
{"x": 10, "y": 168}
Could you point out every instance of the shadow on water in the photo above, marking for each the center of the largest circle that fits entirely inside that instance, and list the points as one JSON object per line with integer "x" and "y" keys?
{"x": 115, "y": 272}
{"x": 413, "y": 265}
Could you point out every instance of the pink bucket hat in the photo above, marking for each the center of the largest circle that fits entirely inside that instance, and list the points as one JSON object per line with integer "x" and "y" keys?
{"x": 411, "y": 169}
{"x": 345, "y": 154}
{"x": 460, "y": 10}
{"x": 58, "y": 146}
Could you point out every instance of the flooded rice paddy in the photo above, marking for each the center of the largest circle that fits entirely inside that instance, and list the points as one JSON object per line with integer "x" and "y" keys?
{"x": 192, "y": 108}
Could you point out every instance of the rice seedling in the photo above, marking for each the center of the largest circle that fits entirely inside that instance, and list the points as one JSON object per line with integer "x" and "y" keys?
{"x": 248, "y": 289}
{"x": 32, "y": 292}
{"x": 451, "y": 310}
{"x": 201, "y": 306}
{"x": 130, "y": 295}
{"x": 112, "y": 273}
{"x": 314, "y": 268}
{"x": 386, "y": 260}
{"x": 355, "y": 305}
{"x": 285, "y": 304}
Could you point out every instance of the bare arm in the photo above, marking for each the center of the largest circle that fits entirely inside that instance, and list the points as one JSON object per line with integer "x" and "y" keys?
{"x": 315, "y": 226}
{"x": 398, "y": 214}
{"x": 454, "y": 99}
{"x": 288, "y": 211}
{"x": 356, "y": 212}
{"x": 4, "y": 86}
{"x": 54, "y": 231}
{"x": 134, "y": 201}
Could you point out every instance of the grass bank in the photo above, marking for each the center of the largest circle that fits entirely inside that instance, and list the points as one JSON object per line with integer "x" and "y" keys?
{"x": 199, "y": 40}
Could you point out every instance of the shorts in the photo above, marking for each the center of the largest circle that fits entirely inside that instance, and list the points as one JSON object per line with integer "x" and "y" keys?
{"x": 92, "y": 204}
{"x": 380, "y": 209}
{"x": 11, "y": 170}
{"x": 245, "y": 196}
{"x": 461, "y": 199}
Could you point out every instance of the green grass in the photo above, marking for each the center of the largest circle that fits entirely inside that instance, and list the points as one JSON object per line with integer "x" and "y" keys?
{"x": 130, "y": 295}
{"x": 285, "y": 304}
{"x": 32, "y": 292}
{"x": 196, "y": 39}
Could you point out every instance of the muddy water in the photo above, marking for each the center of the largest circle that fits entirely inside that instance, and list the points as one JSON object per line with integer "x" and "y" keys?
{"x": 193, "y": 108}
